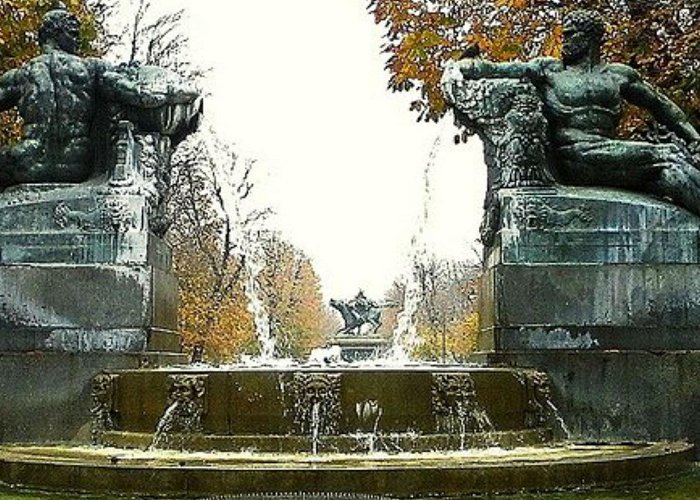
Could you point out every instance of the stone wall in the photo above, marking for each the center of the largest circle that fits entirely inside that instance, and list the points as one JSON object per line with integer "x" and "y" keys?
{"x": 618, "y": 396}
{"x": 45, "y": 396}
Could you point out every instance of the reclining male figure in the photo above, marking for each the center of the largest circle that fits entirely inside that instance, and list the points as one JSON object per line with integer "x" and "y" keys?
{"x": 583, "y": 100}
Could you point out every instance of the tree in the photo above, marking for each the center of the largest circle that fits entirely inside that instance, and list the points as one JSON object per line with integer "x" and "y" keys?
{"x": 204, "y": 198}
{"x": 19, "y": 24}
{"x": 223, "y": 254}
{"x": 659, "y": 38}
{"x": 299, "y": 318}
{"x": 207, "y": 205}
{"x": 156, "y": 38}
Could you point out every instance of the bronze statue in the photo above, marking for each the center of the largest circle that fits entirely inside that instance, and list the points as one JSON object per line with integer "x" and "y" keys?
{"x": 582, "y": 101}
{"x": 61, "y": 97}
{"x": 358, "y": 312}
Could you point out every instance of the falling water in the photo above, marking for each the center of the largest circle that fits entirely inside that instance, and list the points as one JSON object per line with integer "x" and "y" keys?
{"x": 254, "y": 260}
{"x": 374, "y": 435}
{"x": 315, "y": 426}
{"x": 559, "y": 420}
{"x": 375, "y": 431}
{"x": 165, "y": 426}
{"x": 246, "y": 240}
{"x": 405, "y": 336}
{"x": 462, "y": 428}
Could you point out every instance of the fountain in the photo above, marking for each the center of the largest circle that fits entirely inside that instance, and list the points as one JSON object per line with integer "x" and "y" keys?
{"x": 383, "y": 430}
{"x": 405, "y": 335}
{"x": 394, "y": 428}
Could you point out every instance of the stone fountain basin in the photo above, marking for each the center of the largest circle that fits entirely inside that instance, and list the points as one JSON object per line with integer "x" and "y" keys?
{"x": 265, "y": 401}
{"x": 357, "y": 442}
{"x": 171, "y": 473}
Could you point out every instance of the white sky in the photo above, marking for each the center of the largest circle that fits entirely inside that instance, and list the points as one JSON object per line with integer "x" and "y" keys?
{"x": 300, "y": 86}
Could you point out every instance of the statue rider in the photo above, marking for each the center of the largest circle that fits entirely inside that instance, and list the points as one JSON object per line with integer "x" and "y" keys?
{"x": 361, "y": 306}
{"x": 583, "y": 102}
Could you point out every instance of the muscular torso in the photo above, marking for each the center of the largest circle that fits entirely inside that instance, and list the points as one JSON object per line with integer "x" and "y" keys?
{"x": 588, "y": 102}
{"x": 58, "y": 106}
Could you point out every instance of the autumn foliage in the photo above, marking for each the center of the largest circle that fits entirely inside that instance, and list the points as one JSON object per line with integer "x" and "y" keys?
{"x": 210, "y": 205}
{"x": 299, "y": 318}
{"x": 660, "y": 39}
{"x": 219, "y": 319}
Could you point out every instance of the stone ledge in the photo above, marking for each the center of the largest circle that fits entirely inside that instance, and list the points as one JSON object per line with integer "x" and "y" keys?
{"x": 592, "y": 225}
{"x": 606, "y": 306}
{"x": 55, "y": 301}
{"x": 421, "y": 475}
{"x": 81, "y": 248}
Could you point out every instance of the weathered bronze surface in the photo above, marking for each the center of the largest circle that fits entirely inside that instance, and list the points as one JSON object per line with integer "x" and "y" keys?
{"x": 358, "y": 312}
{"x": 69, "y": 103}
{"x": 83, "y": 267}
{"x": 581, "y": 100}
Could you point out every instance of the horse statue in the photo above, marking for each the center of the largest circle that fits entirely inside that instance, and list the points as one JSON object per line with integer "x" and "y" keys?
{"x": 354, "y": 321}
{"x": 358, "y": 312}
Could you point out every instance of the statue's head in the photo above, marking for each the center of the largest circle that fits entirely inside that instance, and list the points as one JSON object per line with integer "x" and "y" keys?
{"x": 61, "y": 30}
{"x": 583, "y": 34}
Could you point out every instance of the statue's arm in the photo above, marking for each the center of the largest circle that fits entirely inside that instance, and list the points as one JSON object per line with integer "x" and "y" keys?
{"x": 9, "y": 90}
{"x": 119, "y": 87}
{"x": 475, "y": 69}
{"x": 642, "y": 94}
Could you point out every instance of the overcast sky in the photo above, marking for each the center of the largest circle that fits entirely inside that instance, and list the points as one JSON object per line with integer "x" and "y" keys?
{"x": 300, "y": 86}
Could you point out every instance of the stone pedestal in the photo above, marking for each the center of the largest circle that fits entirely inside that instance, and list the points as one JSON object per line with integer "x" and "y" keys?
{"x": 600, "y": 288}
{"x": 587, "y": 269}
{"x": 359, "y": 347}
{"x": 81, "y": 272}
{"x": 84, "y": 287}
{"x": 46, "y": 396}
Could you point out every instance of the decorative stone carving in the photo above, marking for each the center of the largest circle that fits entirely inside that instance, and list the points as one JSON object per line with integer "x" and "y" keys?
{"x": 535, "y": 213}
{"x": 507, "y": 116}
{"x": 187, "y": 396}
{"x": 102, "y": 410}
{"x": 112, "y": 215}
{"x": 314, "y": 403}
{"x": 541, "y": 411}
{"x": 184, "y": 412}
{"x": 539, "y": 395}
{"x": 455, "y": 406}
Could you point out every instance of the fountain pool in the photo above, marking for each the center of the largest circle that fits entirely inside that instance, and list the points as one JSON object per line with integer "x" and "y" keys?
{"x": 375, "y": 430}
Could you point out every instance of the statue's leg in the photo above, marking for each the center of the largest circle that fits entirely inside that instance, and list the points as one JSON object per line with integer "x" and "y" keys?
{"x": 660, "y": 169}
{"x": 680, "y": 181}
{"x": 613, "y": 162}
